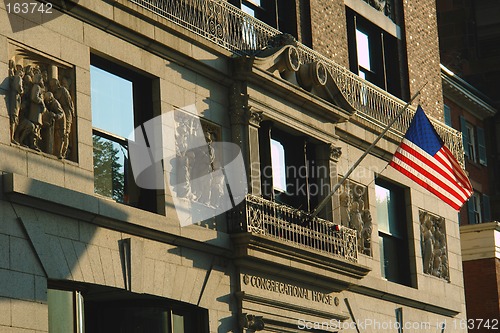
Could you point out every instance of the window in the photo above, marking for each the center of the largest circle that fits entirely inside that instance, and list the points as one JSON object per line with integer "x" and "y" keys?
{"x": 100, "y": 309}
{"x": 290, "y": 173}
{"x": 278, "y": 166}
{"x": 121, "y": 100}
{"x": 142, "y": 315}
{"x": 279, "y": 14}
{"x": 447, "y": 115}
{"x": 478, "y": 208}
{"x": 474, "y": 142}
{"x": 377, "y": 55}
{"x": 474, "y": 208}
{"x": 393, "y": 233}
{"x": 65, "y": 311}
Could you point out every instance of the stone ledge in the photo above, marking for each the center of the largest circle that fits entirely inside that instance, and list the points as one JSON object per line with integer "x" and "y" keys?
{"x": 109, "y": 214}
{"x": 480, "y": 241}
{"x": 288, "y": 260}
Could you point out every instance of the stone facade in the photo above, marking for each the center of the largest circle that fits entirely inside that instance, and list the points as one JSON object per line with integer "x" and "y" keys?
{"x": 287, "y": 270}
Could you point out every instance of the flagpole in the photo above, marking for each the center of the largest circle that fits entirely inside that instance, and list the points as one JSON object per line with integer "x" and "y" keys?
{"x": 323, "y": 202}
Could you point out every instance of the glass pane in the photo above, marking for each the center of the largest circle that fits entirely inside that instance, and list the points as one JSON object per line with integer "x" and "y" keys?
{"x": 255, "y": 2}
{"x": 363, "y": 48}
{"x": 112, "y": 102}
{"x": 382, "y": 199}
{"x": 110, "y": 159}
{"x": 278, "y": 165}
{"x": 60, "y": 304}
{"x": 392, "y": 255}
{"x": 177, "y": 323}
{"x": 382, "y": 257}
{"x": 248, "y": 10}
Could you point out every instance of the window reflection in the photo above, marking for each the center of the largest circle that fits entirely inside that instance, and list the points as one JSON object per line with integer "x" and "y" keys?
{"x": 121, "y": 100}
{"x": 112, "y": 102}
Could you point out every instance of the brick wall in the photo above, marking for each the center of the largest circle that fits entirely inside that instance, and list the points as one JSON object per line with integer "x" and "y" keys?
{"x": 329, "y": 32}
{"x": 329, "y": 37}
{"x": 423, "y": 54}
{"x": 482, "y": 289}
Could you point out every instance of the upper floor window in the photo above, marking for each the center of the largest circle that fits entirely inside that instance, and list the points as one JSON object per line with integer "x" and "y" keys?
{"x": 478, "y": 208}
{"x": 121, "y": 100}
{"x": 290, "y": 172}
{"x": 279, "y": 14}
{"x": 393, "y": 233}
{"x": 278, "y": 166}
{"x": 474, "y": 142}
{"x": 376, "y": 54}
{"x": 447, "y": 115}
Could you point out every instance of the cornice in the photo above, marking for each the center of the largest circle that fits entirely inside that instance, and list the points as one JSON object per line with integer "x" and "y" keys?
{"x": 465, "y": 95}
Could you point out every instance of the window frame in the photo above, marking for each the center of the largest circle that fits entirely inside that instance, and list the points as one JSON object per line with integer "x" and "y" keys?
{"x": 144, "y": 90}
{"x": 474, "y": 142}
{"x": 302, "y": 193}
{"x": 389, "y": 239}
{"x": 474, "y": 210}
{"x": 387, "y": 55}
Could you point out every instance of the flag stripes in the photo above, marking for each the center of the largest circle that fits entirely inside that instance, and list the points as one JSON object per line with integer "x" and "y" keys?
{"x": 423, "y": 157}
{"x": 435, "y": 173}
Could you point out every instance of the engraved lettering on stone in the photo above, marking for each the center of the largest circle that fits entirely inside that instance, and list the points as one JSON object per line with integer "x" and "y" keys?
{"x": 289, "y": 289}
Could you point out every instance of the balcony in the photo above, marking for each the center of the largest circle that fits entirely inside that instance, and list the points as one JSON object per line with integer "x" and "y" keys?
{"x": 233, "y": 30}
{"x": 285, "y": 224}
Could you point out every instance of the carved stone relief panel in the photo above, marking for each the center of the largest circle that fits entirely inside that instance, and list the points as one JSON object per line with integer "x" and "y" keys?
{"x": 433, "y": 244}
{"x": 384, "y": 6}
{"x": 41, "y": 103}
{"x": 200, "y": 161}
{"x": 355, "y": 213}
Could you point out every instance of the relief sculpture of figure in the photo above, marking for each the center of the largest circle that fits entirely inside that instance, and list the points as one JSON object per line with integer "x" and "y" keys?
{"x": 64, "y": 98}
{"x": 16, "y": 93}
{"x": 29, "y": 129}
{"x": 345, "y": 206}
{"x": 366, "y": 233}
{"x": 356, "y": 221}
{"x": 427, "y": 243}
{"x": 56, "y": 119}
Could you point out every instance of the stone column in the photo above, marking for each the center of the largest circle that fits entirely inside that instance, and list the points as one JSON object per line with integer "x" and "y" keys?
{"x": 245, "y": 125}
{"x": 327, "y": 156}
{"x": 334, "y": 155}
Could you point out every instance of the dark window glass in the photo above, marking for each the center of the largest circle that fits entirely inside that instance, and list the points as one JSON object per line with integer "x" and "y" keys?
{"x": 393, "y": 233}
{"x": 376, "y": 55}
{"x": 279, "y": 14}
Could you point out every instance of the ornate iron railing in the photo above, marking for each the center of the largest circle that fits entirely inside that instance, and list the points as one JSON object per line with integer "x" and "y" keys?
{"x": 234, "y": 30}
{"x": 270, "y": 219}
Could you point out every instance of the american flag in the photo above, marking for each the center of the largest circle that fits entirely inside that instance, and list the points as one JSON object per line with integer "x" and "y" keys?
{"x": 423, "y": 157}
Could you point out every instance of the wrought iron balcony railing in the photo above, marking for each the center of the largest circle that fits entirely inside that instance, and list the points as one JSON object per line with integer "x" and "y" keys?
{"x": 242, "y": 34}
{"x": 273, "y": 220}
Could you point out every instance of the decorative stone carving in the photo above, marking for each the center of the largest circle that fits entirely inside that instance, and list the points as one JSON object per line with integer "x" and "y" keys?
{"x": 282, "y": 40}
{"x": 252, "y": 322}
{"x": 41, "y": 108}
{"x": 433, "y": 245}
{"x": 198, "y": 162}
{"x": 335, "y": 152}
{"x": 384, "y": 6}
{"x": 312, "y": 74}
{"x": 355, "y": 213}
{"x": 254, "y": 117}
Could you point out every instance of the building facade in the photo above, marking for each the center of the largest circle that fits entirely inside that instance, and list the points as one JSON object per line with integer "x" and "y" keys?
{"x": 468, "y": 37}
{"x": 163, "y": 161}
